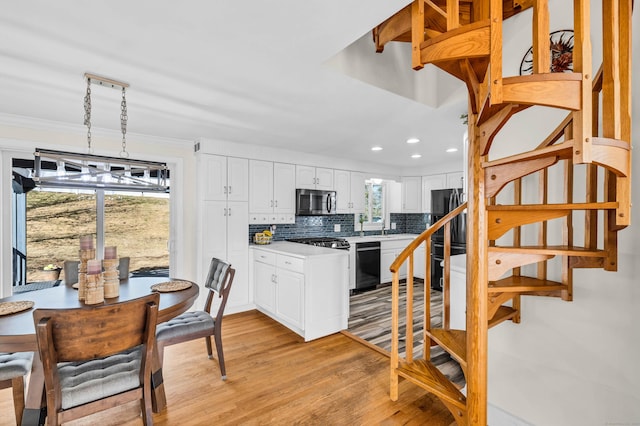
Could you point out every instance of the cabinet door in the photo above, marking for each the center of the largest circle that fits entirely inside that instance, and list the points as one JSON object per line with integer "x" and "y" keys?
{"x": 455, "y": 180}
{"x": 357, "y": 192}
{"x": 411, "y": 194}
{"x": 237, "y": 179}
{"x": 214, "y": 230}
{"x": 284, "y": 189}
{"x": 343, "y": 191}
{"x": 430, "y": 183}
{"x": 290, "y": 297}
{"x": 260, "y": 186}
{"x": 386, "y": 259}
{"x": 264, "y": 276}
{"x": 324, "y": 179}
{"x": 305, "y": 177}
{"x": 238, "y": 251}
{"x": 213, "y": 177}
{"x": 419, "y": 262}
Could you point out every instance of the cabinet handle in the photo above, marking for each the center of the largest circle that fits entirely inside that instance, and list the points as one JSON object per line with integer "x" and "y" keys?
{"x": 225, "y": 211}
{"x": 229, "y": 189}
{"x": 271, "y": 203}
{"x": 276, "y": 203}
{"x": 286, "y": 262}
{"x": 229, "y": 211}
{"x": 225, "y": 189}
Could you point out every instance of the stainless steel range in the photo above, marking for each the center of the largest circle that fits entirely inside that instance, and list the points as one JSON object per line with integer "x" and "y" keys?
{"x": 328, "y": 242}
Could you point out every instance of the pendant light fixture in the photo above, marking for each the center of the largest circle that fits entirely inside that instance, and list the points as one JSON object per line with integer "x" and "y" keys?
{"x": 74, "y": 170}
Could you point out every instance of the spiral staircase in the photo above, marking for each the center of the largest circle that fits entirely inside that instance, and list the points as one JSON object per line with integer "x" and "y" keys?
{"x": 590, "y": 149}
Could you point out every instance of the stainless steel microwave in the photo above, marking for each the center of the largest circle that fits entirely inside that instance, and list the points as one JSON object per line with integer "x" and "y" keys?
{"x": 315, "y": 202}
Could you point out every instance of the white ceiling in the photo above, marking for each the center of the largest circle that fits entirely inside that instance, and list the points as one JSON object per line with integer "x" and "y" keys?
{"x": 260, "y": 72}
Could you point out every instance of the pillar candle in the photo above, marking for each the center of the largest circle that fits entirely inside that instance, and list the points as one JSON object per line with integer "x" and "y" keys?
{"x": 110, "y": 252}
{"x": 94, "y": 267}
{"x": 86, "y": 242}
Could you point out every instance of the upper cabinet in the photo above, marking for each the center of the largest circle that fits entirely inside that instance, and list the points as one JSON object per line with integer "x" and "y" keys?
{"x": 308, "y": 177}
{"x": 430, "y": 183}
{"x": 455, "y": 180}
{"x": 411, "y": 194}
{"x": 272, "y": 192}
{"x": 224, "y": 178}
{"x": 349, "y": 188}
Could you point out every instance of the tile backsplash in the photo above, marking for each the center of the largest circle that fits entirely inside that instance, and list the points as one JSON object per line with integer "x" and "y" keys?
{"x": 323, "y": 226}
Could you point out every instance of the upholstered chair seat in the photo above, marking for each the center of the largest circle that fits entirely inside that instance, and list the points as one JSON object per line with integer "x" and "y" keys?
{"x": 13, "y": 367}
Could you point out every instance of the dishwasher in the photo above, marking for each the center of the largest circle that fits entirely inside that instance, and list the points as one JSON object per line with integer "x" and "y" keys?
{"x": 367, "y": 265}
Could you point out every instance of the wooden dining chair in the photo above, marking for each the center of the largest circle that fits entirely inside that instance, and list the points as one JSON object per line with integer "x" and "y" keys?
{"x": 70, "y": 271}
{"x": 13, "y": 367}
{"x": 95, "y": 358}
{"x": 194, "y": 325}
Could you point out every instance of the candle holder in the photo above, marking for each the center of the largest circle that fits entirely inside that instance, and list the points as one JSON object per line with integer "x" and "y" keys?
{"x": 111, "y": 278}
{"x": 85, "y": 255}
{"x": 95, "y": 289}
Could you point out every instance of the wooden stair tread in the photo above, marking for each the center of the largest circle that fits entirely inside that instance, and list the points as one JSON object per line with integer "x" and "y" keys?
{"x": 465, "y": 42}
{"x": 522, "y": 284}
{"x": 561, "y": 250}
{"x": 611, "y": 205}
{"x": 562, "y": 150}
{"x": 452, "y": 341}
{"x": 503, "y": 313}
{"x": 424, "y": 374}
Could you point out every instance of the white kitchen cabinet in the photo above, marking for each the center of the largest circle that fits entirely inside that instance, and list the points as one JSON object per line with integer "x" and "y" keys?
{"x": 309, "y": 177}
{"x": 224, "y": 227}
{"x": 223, "y": 222}
{"x": 419, "y": 262}
{"x": 455, "y": 180}
{"x": 389, "y": 250}
{"x": 411, "y": 194}
{"x": 264, "y": 281}
{"x": 306, "y": 293}
{"x": 429, "y": 183}
{"x": 224, "y": 178}
{"x": 349, "y": 188}
{"x": 272, "y": 192}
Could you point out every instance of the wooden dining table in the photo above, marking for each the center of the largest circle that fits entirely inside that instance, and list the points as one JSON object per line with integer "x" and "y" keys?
{"x": 17, "y": 331}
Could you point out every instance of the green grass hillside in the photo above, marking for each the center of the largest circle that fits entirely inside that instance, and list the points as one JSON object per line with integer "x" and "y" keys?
{"x": 138, "y": 226}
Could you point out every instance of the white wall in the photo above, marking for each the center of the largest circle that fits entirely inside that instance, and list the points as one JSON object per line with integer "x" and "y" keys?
{"x": 574, "y": 363}
{"x": 22, "y": 135}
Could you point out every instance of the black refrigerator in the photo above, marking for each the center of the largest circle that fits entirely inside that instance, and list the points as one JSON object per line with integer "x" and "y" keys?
{"x": 442, "y": 202}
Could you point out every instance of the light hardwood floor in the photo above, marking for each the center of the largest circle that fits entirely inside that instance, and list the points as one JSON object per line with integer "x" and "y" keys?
{"x": 275, "y": 378}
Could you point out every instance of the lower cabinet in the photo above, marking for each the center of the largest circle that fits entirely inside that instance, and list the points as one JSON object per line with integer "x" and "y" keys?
{"x": 309, "y": 295}
{"x": 389, "y": 250}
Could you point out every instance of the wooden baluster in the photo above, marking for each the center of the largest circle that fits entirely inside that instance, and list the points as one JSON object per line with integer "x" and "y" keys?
{"x": 582, "y": 64}
{"x": 409, "y": 323}
{"x": 446, "y": 276}
{"x": 541, "y": 58}
{"x": 427, "y": 299}
{"x": 453, "y": 14}
{"x": 567, "y": 235}
{"x": 495, "y": 66}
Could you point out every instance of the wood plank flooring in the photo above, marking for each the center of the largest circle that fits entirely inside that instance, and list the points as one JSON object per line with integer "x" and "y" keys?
{"x": 275, "y": 378}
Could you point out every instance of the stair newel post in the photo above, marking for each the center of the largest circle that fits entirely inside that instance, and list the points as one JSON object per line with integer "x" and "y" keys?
{"x": 477, "y": 282}
{"x": 582, "y": 64}
{"x": 625, "y": 69}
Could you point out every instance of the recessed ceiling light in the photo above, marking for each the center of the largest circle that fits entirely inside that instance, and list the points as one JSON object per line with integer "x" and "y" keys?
{"x": 416, "y": 156}
{"x": 452, "y": 150}
{"x": 376, "y": 148}
{"x": 413, "y": 140}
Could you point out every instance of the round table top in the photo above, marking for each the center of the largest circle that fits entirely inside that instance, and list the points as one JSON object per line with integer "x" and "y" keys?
{"x": 17, "y": 331}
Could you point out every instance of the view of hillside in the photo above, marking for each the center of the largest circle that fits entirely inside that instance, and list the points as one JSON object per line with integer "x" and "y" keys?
{"x": 137, "y": 225}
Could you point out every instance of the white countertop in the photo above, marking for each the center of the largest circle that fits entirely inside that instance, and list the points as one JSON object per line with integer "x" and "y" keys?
{"x": 298, "y": 249}
{"x": 387, "y": 237}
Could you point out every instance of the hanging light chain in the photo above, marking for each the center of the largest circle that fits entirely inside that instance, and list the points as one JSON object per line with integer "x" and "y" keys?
{"x": 87, "y": 113}
{"x": 123, "y": 124}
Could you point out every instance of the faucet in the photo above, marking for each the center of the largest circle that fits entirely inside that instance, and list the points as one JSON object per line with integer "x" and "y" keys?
{"x": 382, "y": 229}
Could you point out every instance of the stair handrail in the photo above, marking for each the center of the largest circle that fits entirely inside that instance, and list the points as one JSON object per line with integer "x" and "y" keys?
{"x": 426, "y": 234}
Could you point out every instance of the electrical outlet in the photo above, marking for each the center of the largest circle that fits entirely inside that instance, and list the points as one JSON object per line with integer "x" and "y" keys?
{"x": 336, "y": 227}
{"x": 393, "y": 225}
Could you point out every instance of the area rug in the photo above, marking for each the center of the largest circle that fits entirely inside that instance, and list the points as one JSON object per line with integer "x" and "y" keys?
{"x": 370, "y": 320}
